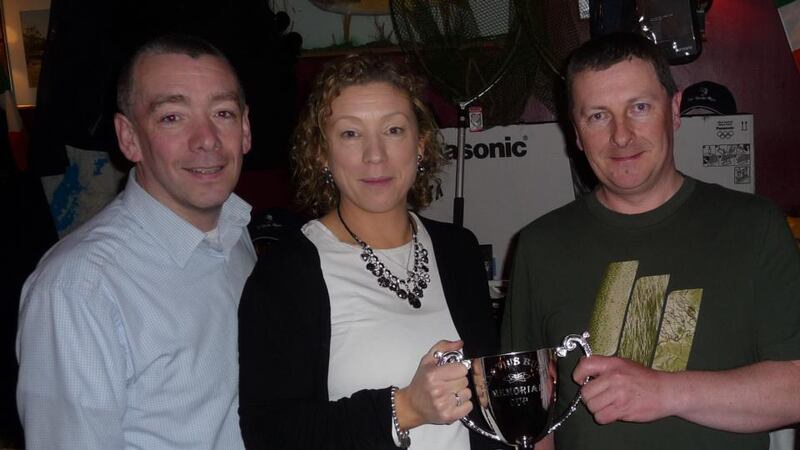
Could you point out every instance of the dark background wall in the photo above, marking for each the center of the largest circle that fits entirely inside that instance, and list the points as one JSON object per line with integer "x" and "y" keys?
{"x": 746, "y": 50}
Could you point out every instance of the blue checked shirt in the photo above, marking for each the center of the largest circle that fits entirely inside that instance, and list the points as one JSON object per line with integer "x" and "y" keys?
{"x": 127, "y": 332}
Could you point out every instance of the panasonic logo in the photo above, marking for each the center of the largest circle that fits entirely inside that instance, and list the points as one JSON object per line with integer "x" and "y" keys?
{"x": 505, "y": 149}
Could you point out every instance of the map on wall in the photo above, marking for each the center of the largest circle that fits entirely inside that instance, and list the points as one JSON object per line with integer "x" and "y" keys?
{"x": 339, "y": 25}
{"x": 88, "y": 184}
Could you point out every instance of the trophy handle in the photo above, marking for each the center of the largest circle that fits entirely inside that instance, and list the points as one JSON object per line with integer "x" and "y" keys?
{"x": 443, "y": 358}
{"x": 570, "y": 343}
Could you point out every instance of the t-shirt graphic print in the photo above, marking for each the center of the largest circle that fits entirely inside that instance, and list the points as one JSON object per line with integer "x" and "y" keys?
{"x": 637, "y": 319}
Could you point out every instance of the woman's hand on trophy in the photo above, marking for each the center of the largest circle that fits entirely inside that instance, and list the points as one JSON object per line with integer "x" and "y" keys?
{"x": 437, "y": 394}
{"x": 620, "y": 389}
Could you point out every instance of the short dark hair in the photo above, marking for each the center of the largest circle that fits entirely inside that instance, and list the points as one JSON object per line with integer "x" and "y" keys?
{"x": 310, "y": 143}
{"x": 603, "y": 52}
{"x": 180, "y": 44}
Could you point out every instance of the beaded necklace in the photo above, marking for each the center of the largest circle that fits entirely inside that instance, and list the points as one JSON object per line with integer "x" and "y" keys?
{"x": 411, "y": 288}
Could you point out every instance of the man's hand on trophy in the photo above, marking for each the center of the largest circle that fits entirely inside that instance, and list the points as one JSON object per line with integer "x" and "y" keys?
{"x": 437, "y": 394}
{"x": 621, "y": 389}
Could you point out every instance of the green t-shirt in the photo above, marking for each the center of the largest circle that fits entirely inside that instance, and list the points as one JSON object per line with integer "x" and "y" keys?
{"x": 708, "y": 281}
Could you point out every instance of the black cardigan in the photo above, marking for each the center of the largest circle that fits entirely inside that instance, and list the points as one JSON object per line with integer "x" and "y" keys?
{"x": 284, "y": 347}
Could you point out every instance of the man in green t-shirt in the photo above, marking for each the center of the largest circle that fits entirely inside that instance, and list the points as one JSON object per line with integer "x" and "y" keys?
{"x": 690, "y": 291}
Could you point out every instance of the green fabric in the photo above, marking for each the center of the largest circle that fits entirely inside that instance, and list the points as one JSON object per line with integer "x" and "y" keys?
{"x": 708, "y": 281}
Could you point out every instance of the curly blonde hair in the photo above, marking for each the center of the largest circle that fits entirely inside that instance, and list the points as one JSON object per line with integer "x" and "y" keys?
{"x": 310, "y": 144}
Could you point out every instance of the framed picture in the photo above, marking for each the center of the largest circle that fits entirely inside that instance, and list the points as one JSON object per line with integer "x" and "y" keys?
{"x": 331, "y": 27}
{"x": 25, "y": 32}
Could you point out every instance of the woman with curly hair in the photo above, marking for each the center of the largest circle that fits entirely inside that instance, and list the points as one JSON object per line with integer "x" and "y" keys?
{"x": 334, "y": 320}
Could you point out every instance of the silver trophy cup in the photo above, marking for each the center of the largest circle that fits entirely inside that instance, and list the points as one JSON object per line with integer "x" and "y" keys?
{"x": 516, "y": 392}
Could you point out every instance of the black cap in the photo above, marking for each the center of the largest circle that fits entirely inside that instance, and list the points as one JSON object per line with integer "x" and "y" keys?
{"x": 707, "y": 97}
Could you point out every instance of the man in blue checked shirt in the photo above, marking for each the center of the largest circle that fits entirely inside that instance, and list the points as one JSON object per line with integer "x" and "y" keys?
{"x": 127, "y": 329}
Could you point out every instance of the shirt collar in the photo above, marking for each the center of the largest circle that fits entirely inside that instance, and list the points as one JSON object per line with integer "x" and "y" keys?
{"x": 178, "y": 237}
{"x": 645, "y": 219}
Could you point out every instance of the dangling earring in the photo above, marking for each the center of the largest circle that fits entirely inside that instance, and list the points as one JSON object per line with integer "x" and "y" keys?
{"x": 420, "y": 167}
{"x": 327, "y": 176}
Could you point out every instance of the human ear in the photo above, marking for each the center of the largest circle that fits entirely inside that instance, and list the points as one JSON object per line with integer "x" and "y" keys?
{"x": 676, "y": 110}
{"x": 127, "y": 138}
{"x": 247, "y": 137}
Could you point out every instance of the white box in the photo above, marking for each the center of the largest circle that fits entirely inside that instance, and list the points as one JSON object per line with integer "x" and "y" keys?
{"x": 717, "y": 149}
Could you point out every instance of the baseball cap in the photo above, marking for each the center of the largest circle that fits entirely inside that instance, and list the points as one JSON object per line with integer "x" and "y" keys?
{"x": 707, "y": 97}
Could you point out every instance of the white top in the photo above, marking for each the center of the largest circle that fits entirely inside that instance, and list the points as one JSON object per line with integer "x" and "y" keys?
{"x": 377, "y": 339}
